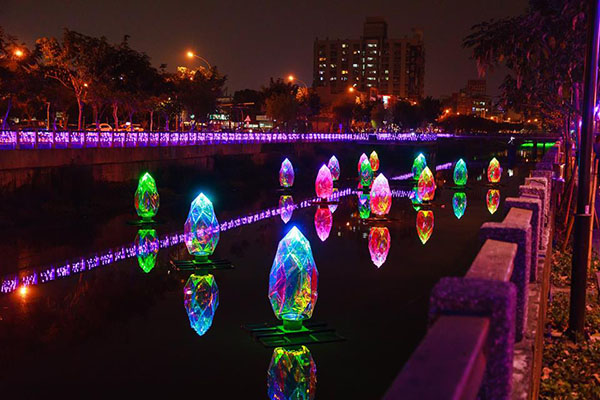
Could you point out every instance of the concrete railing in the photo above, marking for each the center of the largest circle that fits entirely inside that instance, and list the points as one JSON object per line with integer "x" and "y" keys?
{"x": 477, "y": 320}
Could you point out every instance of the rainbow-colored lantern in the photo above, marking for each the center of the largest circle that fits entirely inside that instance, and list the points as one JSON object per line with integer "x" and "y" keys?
{"x": 494, "y": 171}
{"x": 424, "y": 225}
{"x": 379, "y": 244}
{"x": 323, "y": 222}
{"x": 414, "y": 198}
{"x": 286, "y": 174}
{"x": 364, "y": 206}
{"x": 426, "y": 186}
{"x": 334, "y": 206}
{"x": 459, "y": 204}
{"x": 374, "y": 160}
{"x": 201, "y": 299}
{"x": 201, "y": 229}
{"x": 381, "y": 196}
{"x": 366, "y": 174}
{"x": 419, "y": 165}
{"x": 293, "y": 280}
{"x": 146, "y": 199}
{"x": 492, "y": 200}
{"x": 362, "y": 158}
{"x": 324, "y": 183}
{"x": 334, "y": 168}
{"x": 292, "y": 374}
{"x": 286, "y": 205}
{"x": 146, "y": 244}
{"x": 460, "y": 173}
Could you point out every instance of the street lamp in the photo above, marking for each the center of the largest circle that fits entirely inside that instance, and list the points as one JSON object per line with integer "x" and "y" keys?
{"x": 191, "y": 54}
{"x": 292, "y": 78}
{"x": 18, "y": 53}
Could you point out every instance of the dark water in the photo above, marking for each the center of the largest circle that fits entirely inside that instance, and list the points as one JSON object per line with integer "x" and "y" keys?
{"x": 118, "y": 327}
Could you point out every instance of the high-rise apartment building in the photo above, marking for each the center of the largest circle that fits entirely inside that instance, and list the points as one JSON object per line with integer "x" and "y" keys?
{"x": 392, "y": 66}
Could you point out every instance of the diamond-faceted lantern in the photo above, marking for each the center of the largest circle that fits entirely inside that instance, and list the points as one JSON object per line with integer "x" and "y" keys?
{"x": 381, "y": 196}
{"x": 366, "y": 174}
{"x": 362, "y": 158}
{"x": 201, "y": 229}
{"x": 424, "y": 225}
{"x": 334, "y": 168}
{"x": 419, "y": 165}
{"x": 323, "y": 222}
{"x": 414, "y": 198}
{"x": 364, "y": 206}
{"x": 146, "y": 199}
{"x": 286, "y": 174}
{"x": 201, "y": 299}
{"x": 426, "y": 186}
{"x": 494, "y": 171}
{"x": 379, "y": 244}
{"x": 294, "y": 279}
{"x": 286, "y": 205}
{"x": 459, "y": 204}
{"x": 146, "y": 244}
{"x": 292, "y": 374}
{"x": 460, "y": 173}
{"x": 374, "y": 160}
{"x": 334, "y": 206}
{"x": 492, "y": 200}
{"x": 324, "y": 183}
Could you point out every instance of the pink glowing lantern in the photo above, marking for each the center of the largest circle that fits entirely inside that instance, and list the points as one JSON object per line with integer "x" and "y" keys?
{"x": 323, "y": 222}
{"x": 379, "y": 244}
{"x": 362, "y": 158}
{"x": 381, "y": 196}
{"x": 324, "y": 183}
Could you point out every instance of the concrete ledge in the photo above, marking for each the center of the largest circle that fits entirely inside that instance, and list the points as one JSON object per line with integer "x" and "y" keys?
{"x": 494, "y": 261}
{"x": 535, "y": 205}
{"x": 537, "y": 190}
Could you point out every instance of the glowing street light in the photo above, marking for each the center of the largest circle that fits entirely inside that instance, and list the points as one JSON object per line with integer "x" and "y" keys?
{"x": 351, "y": 89}
{"x": 191, "y": 54}
{"x": 18, "y": 53}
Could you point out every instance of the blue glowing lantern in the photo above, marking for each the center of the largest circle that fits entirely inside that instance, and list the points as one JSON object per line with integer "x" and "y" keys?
{"x": 201, "y": 299}
{"x": 201, "y": 230}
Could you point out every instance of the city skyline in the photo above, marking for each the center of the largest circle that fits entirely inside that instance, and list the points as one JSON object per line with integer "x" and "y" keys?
{"x": 248, "y": 57}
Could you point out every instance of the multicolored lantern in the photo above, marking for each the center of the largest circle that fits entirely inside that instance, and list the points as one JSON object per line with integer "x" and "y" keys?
{"x": 366, "y": 174}
{"x": 460, "y": 173}
{"x": 334, "y": 168}
{"x": 379, "y": 245}
{"x": 419, "y": 165}
{"x": 492, "y": 200}
{"x": 323, "y": 222}
{"x": 286, "y": 174}
{"x": 201, "y": 229}
{"x": 201, "y": 299}
{"x": 459, "y": 204}
{"x": 424, "y": 225}
{"x": 364, "y": 206}
{"x": 324, "y": 183}
{"x": 494, "y": 171}
{"x": 362, "y": 158}
{"x": 146, "y": 244}
{"x": 286, "y": 205}
{"x": 381, "y": 196}
{"x": 374, "y": 160}
{"x": 426, "y": 186}
{"x": 334, "y": 206}
{"x": 292, "y": 374}
{"x": 146, "y": 199}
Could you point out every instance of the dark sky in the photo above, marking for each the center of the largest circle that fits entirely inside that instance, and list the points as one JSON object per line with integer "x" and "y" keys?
{"x": 251, "y": 41}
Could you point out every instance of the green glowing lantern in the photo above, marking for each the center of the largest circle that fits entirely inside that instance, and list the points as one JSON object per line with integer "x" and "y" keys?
{"x": 201, "y": 229}
{"x": 146, "y": 244}
{"x": 460, "y": 173}
{"x": 366, "y": 174}
{"x": 146, "y": 198}
{"x": 459, "y": 204}
{"x": 418, "y": 166}
{"x": 364, "y": 205}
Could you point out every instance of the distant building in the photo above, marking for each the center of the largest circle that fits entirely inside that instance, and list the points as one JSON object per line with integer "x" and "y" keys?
{"x": 393, "y": 67}
{"x": 472, "y": 100}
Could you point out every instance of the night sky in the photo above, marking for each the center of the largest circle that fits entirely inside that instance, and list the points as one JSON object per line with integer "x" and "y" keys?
{"x": 251, "y": 41}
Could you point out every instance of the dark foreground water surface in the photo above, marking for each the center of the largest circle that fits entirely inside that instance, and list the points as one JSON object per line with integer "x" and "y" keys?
{"x": 117, "y": 327}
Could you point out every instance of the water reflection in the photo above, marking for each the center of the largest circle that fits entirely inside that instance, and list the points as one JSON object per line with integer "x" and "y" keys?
{"x": 364, "y": 207}
{"x": 201, "y": 299}
{"x": 414, "y": 198}
{"x": 292, "y": 374}
{"x": 424, "y": 225}
{"x": 334, "y": 205}
{"x": 492, "y": 200}
{"x": 146, "y": 244}
{"x": 459, "y": 204}
{"x": 286, "y": 204}
{"x": 323, "y": 222}
{"x": 379, "y": 245}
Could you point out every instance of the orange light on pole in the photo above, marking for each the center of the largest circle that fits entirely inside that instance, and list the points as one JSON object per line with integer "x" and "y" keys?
{"x": 351, "y": 89}
{"x": 291, "y": 78}
{"x": 190, "y": 54}
{"x": 18, "y": 53}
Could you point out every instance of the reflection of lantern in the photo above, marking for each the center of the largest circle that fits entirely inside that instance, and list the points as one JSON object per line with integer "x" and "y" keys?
{"x": 286, "y": 174}
{"x": 201, "y": 230}
{"x": 364, "y": 207}
{"x": 459, "y": 204}
{"x": 374, "y": 161}
{"x": 201, "y": 299}
{"x": 324, "y": 183}
{"x": 366, "y": 174}
{"x": 323, "y": 222}
{"x": 460, "y": 173}
{"x": 418, "y": 166}
{"x": 333, "y": 206}
{"x": 362, "y": 158}
{"x": 494, "y": 171}
{"x": 146, "y": 244}
{"x": 379, "y": 245}
{"x": 414, "y": 198}
{"x": 381, "y": 196}
{"x": 334, "y": 167}
{"x": 286, "y": 204}
{"x": 426, "y": 185}
{"x": 146, "y": 198}
{"x": 424, "y": 225}
{"x": 492, "y": 200}
{"x": 292, "y": 374}
{"x": 293, "y": 280}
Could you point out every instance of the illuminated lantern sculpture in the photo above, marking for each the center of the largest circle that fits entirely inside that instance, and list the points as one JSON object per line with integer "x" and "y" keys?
{"x": 366, "y": 174}
{"x": 414, "y": 198}
{"x": 286, "y": 205}
{"x": 381, "y": 196}
{"x": 418, "y": 166}
{"x": 374, "y": 160}
{"x": 426, "y": 185}
{"x": 379, "y": 244}
{"x": 334, "y": 168}
{"x": 146, "y": 244}
{"x": 460, "y": 173}
{"x": 323, "y": 222}
{"x": 286, "y": 174}
{"x": 494, "y": 171}
{"x": 201, "y": 299}
{"x": 492, "y": 200}
{"x": 324, "y": 183}
{"x": 146, "y": 198}
{"x": 364, "y": 206}
{"x": 293, "y": 280}
{"x": 334, "y": 206}
{"x": 292, "y": 374}
{"x": 459, "y": 204}
{"x": 424, "y": 225}
{"x": 362, "y": 158}
{"x": 201, "y": 229}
